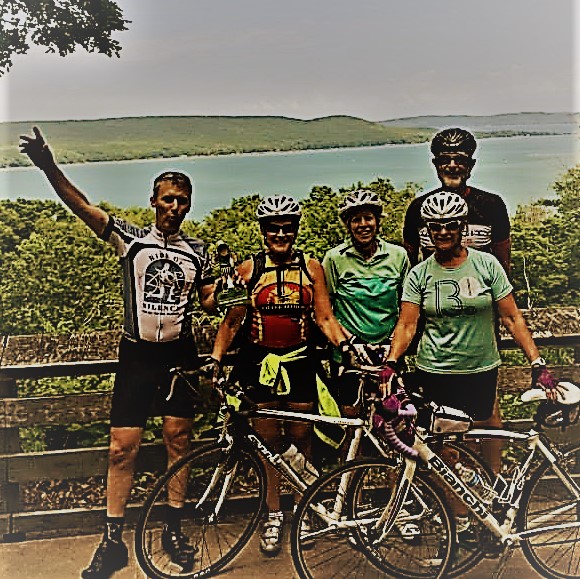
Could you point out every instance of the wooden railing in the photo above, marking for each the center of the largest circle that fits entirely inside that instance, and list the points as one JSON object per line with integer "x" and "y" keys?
{"x": 35, "y": 357}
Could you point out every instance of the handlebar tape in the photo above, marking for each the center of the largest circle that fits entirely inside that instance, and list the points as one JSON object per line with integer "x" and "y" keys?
{"x": 392, "y": 437}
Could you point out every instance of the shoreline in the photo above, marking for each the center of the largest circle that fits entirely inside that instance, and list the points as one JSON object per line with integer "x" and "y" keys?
{"x": 266, "y": 153}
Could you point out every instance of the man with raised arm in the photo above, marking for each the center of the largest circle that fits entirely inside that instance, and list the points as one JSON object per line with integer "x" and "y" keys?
{"x": 163, "y": 269}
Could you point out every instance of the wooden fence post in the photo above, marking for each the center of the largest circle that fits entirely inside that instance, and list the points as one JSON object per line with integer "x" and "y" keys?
{"x": 9, "y": 444}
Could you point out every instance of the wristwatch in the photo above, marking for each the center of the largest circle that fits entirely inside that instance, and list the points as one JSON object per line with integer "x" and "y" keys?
{"x": 538, "y": 362}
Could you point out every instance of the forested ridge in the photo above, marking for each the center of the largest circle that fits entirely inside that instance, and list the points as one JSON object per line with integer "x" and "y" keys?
{"x": 147, "y": 137}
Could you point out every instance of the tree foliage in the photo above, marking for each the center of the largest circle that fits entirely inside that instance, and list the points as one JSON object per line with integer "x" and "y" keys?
{"x": 59, "y": 25}
{"x": 545, "y": 253}
{"x": 56, "y": 276}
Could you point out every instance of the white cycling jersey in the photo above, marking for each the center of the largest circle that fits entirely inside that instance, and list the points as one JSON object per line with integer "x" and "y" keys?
{"x": 160, "y": 277}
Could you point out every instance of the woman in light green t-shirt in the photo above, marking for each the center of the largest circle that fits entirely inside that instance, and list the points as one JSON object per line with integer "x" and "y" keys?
{"x": 458, "y": 290}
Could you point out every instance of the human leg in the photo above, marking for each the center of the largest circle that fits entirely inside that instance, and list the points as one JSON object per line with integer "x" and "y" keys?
{"x": 270, "y": 430}
{"x": 132, "y": 396}
{"x": 492, "y": 449}
{"x": 111, "y": 554}
{"x": 177, "y": 437}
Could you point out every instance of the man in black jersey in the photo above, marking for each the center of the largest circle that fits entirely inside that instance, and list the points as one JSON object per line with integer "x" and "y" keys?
{"x": 164, "y": 273}
{"x": 488, "y": 226}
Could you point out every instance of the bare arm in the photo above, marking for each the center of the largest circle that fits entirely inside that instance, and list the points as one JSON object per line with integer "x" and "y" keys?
{"x": 404, "y": 330}
{"x": 514, "y": 322}
{"x": 206, "y": 294}
{"x": 40, "y": 154}
{"x": 322, "y": 308}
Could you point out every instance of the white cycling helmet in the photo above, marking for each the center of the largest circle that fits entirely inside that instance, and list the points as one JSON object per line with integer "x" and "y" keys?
{"x": 360, "y": 199}
{"x": 443, "y": 205}
{"x": 278, "y": 206}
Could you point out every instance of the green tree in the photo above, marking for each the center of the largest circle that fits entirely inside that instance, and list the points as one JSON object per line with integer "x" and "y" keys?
{"x": 60, "y": 279}
{"x": 236, "y": 225}
{"x": 545, "y": 253}
{"x": 60, "y": 26}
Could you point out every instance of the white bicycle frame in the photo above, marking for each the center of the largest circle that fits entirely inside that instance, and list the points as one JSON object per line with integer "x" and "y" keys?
{"x": 511, "y": 495}
{"x": 360, "y": 428}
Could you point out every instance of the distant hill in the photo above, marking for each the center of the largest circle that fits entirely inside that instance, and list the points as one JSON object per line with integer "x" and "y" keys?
{"x": 534, "y": 123}
{"x": 162, "y": 137}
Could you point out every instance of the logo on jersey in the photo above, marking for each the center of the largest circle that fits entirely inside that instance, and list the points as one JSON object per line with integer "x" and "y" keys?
{"x": 448, "y": 294}
{"x": 164, "y": 282}
{"x": 282, "y": 300}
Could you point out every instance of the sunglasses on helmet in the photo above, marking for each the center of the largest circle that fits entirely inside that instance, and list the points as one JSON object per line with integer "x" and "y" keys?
{"x": 452, "y": 225}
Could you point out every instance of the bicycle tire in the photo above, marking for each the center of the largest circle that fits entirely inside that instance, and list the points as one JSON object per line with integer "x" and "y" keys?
{"x": 217, "y": 540}
{"x": 554, "y": 553}
{"x": 339, "y": 550}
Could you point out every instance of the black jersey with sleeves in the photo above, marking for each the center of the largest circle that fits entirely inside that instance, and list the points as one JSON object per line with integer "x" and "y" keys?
{"x": 488, "y": 222}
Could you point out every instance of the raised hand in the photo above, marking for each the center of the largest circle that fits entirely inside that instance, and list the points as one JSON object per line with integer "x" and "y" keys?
{"x": 36, "y": 149}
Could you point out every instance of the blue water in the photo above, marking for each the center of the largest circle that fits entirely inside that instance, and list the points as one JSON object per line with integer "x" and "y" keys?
{"x": 521, "y": 169}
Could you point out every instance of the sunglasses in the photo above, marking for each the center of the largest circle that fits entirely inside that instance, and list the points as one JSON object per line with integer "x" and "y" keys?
{"x": 437, "y": 226}
{"x": 286, "y": 229}
{"x": 457, "y": 159}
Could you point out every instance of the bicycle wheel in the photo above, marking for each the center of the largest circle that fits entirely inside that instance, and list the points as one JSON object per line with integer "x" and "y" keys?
{"x": 350, "y": 543}
{"x": 470, "y": 549}
{"x": 546, "y": 501}
{"x": 224, "y": 494}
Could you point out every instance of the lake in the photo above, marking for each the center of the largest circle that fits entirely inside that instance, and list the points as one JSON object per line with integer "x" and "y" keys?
{"x": 521, "y": 169}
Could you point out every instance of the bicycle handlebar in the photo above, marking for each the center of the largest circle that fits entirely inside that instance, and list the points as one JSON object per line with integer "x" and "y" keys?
{"x": 393, "y": 438}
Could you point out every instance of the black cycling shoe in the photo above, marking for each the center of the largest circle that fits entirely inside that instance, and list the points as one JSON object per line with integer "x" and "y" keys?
{"x": 177, "y": 546}
{"x": 109, "y": 557}
{"x": 468, "y": 538}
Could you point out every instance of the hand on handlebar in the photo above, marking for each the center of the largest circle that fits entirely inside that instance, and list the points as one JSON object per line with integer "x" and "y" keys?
{"x": 214, "y": 370}
{"x": 389, "y": 377}
{"x": 542, "y": 377}
{"x": 357, "y": 349}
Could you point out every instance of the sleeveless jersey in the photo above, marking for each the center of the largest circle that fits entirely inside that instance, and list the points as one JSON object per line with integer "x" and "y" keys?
{"x": 160, "y": 277}
{"x": 281, "y": 302}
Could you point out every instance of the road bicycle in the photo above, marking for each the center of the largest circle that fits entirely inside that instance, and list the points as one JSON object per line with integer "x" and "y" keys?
{"x": 222, "y": 487}
{"x": 537, "y": 506}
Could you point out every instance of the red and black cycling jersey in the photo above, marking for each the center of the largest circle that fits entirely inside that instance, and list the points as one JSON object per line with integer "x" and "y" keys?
{"x": 281, "y": 302}
{"x": 488, "y": 224}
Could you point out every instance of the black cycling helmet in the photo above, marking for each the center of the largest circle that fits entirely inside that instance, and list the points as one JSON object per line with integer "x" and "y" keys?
{"x": 454, "y": 140}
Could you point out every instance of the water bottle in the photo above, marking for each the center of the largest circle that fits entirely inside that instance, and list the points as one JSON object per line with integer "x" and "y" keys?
{"x": 473, "y": 479}
{"x": 299, "y": 463}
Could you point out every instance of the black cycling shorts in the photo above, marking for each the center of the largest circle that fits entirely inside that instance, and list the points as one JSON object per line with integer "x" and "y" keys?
{"x": 143, "y": 380}
{"x": 301, "y": 372}
{"x": 473, "y": 393}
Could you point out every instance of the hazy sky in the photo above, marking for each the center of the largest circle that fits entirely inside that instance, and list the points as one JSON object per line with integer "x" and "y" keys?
{"x": 375, "y": 59}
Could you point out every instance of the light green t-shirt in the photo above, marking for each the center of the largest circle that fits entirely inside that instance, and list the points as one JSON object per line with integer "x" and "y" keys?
{"x": 459, "y": 335}
{"x": 365, "y": 294}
